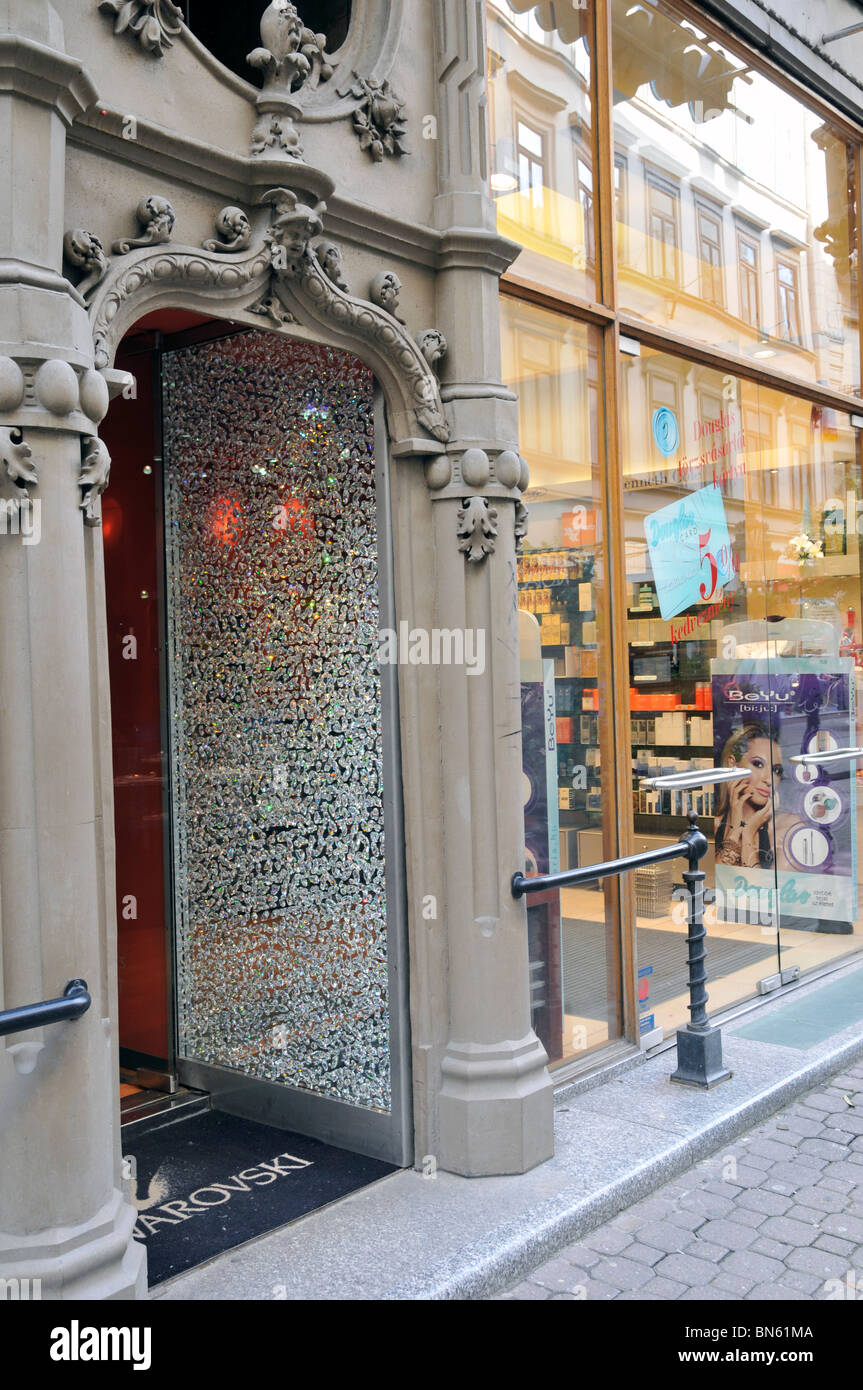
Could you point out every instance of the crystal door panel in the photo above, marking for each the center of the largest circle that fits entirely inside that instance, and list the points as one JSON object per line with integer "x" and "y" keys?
{"x": 275, "y": 715}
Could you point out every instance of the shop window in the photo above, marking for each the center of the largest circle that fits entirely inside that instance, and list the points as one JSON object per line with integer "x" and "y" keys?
{"x": 788, "y": 322}
{"x": 747, "y": 278}
{"x": 230, "y": 32}
{"x": 663, "y": 222}
{"x": 709, "y": 235}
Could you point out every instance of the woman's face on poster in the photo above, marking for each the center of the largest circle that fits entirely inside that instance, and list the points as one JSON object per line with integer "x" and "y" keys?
{"x": 764, "y": 759}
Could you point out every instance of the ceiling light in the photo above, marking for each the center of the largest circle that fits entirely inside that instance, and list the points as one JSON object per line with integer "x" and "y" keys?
{"x": 504, "y": 183}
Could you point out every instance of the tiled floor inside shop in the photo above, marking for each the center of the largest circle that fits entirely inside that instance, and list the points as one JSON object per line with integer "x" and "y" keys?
{"x": 739, "y": 954}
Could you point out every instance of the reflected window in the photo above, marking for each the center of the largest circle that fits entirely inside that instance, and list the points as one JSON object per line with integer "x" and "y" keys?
{"x": 723, "y": 135}
{"x": 709, "y": 225}
{"x": 663, "y": 202}
{"x": 531, "y": 163}
{"x": 788, "y": 325}
{"x": 748, "y": 270}
{"x": 541, "y": 141}
{"x": 585, "y": 197}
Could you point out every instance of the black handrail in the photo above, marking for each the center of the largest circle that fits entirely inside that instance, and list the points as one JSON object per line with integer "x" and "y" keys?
{"x": 75, "y": 1001}
{"x": 691, "y": 846}
{"x": 699, "y": 1044}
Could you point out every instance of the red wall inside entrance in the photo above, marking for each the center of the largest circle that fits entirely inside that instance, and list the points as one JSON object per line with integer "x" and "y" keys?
{"x": 130, "y": 517}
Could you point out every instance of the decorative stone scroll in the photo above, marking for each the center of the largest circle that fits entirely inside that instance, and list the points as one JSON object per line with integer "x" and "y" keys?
{"x": 286, "y": 279}
{"x": 234, "y": 232}
{"x": 157, "y": 218}
{"x": 204, "y": 272}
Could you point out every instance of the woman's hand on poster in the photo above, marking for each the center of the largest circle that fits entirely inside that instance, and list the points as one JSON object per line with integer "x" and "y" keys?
{"x": 741, "y": 832}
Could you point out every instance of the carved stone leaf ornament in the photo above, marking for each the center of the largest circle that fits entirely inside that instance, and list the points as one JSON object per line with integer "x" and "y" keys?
{"x": 477, "y": 528}
{"x": 385, "y": 290}
{"x": 16, "y": 457}
{"x": 271, "y": 307}
{"x": 273, "y": 132}
{"x": 156, "y": 23}
{"x": 93, "y": 478}
{"x": 520, "y": 529}
{"x": 379, "y": 119}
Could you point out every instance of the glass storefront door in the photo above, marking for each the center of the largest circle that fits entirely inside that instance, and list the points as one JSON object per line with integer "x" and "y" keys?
{"x": 285, "y": 892}
{"x": 565, "y": 602}
{"x": 743, "y": 623}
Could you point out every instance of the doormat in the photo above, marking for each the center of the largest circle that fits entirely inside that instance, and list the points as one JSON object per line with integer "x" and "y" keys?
{"x": 208, "y": 1183}
{"x": 807, "y": 1022}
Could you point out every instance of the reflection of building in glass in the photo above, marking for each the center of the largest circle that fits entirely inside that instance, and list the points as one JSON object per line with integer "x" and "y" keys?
{"x": 734, "y": 201}
{"x": 731, "y": 210}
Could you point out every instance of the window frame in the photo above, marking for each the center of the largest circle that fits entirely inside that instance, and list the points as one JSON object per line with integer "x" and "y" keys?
{"x": 655, "y": 182}
{"x": 704, "y": 207}
{"x": 742, "y": 237}
{"x": 613, "y": 235}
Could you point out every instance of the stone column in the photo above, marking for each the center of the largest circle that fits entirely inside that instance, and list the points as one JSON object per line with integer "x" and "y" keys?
{"x": 496, "y": 1094}
{"x": 64, "y": 1217}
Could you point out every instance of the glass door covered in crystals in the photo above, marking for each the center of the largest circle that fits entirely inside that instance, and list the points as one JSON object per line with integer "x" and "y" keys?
{"x": 275, "y": 715}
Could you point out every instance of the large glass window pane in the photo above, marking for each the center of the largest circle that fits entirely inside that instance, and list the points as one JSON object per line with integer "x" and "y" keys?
{"x": 693, "y": 469}
{"x": 553, "y": 363}
{"x": 812, "y": 509}
{"x": 738, "y": 224}
{"x": 542, "y": 175}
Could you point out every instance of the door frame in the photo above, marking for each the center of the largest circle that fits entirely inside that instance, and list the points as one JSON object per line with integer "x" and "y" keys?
{"x": 377, "y": 1134}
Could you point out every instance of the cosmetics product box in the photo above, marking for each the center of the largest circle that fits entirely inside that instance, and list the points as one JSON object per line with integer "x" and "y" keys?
{"x": 564, "y": 727}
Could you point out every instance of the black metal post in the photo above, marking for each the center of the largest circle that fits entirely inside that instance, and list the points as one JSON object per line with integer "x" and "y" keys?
{"x": 75, "y": 1002}
{"x": 699, "y": 1044}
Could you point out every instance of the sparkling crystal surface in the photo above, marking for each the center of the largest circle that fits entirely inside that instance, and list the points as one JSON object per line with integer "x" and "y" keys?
{"x": 275, "y": 714}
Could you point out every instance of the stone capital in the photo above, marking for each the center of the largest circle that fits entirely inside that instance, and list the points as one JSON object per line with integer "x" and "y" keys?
{"x": 44, "y": 75}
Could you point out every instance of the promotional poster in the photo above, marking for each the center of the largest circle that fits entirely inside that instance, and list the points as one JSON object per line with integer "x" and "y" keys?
{"x": 789, "y": 829}
{"x": 539, "y": 770}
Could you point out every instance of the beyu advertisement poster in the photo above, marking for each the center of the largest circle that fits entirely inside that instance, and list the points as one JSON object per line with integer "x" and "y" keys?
{"x": 786, "y": 835}
{"x": 539, "y": 773}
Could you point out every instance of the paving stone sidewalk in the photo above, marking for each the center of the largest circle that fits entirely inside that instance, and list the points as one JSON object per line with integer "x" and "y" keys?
{"x": 776, "y": 1215}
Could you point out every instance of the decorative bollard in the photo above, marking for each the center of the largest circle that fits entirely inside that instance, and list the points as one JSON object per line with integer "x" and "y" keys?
{"x": 699, "y": 1044}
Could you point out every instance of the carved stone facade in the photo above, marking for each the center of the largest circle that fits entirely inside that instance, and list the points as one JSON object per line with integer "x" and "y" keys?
{"x": 284, "y": 208}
